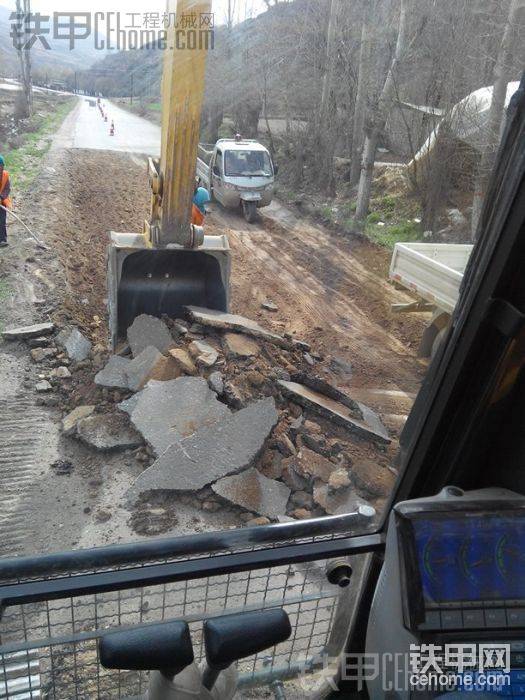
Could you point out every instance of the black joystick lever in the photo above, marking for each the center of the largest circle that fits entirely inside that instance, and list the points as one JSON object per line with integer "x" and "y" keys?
{"x": 164, "y": 647}
{"x": 233, "y": 637}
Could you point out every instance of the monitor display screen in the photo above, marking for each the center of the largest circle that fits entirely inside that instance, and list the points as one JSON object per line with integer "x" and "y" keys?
{"x": 473, "y": 557}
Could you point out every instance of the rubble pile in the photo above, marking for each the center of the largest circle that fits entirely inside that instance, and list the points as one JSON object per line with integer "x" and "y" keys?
{"x": 220, "y": 414}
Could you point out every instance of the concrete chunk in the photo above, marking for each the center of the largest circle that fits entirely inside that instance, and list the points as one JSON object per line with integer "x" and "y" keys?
{"x": 108, "y": 432}
{"x": 77, "y": 346}
{"x": 369, "y": 427}
{"x": 233, "y": 322}
{"x": 69, "y": 422}
{"x": 140, "y": 370}
{"x": 113, "y": 375}
{"x": 255, "y": 492}
{"x": 167, "y": 412}
{"x": 183, "y": 360}
{"x": 216, "y": 382}
{"x": 28, "y": 331}
{"x": 310, "y": 465}
{"x": 339, "y": 502}
{"x": 204, "y": 353}
{"x": 148, "y": 331}
{"x": 212, "y": 452}
{"x": 239, "y": 345}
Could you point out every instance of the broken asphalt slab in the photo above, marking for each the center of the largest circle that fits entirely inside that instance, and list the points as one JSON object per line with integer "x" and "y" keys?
{"x": 213, "y": 452}
{"x": 34, "y": 331}
{"x": 255, "y": 492}
{"x": 108, "y": 432}
{"x": 149, "y": 330}
{"x": 369, "y": 427}
{"x": 167, "y": 412}
{"x": 233, "y": 322}
{"x": 123, "y": 373}
{"x": 114, "y": 375}
{"x": 239, "y": 345}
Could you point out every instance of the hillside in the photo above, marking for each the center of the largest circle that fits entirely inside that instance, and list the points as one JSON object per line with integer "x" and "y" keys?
{"x": 56, "y": 61}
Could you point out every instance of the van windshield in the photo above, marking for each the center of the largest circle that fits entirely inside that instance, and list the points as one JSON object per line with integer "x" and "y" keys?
{"x": 247, "y": 164}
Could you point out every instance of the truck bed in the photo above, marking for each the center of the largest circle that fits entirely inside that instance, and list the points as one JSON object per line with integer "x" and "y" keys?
{"x": 432, "y": 270}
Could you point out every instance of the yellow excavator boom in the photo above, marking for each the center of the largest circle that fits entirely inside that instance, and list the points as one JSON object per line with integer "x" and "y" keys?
{"x": 172, "y": 263}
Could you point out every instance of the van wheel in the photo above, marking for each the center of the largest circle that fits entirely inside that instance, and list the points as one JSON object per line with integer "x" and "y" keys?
{"x": 249, "y": 209}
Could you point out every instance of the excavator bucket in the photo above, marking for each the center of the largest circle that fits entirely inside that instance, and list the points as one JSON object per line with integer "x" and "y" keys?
{"x": 144, "y": 280}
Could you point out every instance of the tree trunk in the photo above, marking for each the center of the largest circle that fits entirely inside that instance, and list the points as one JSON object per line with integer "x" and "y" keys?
{"x": 363, "y": 81}
{"x": 378, "y": 119}
{"x": 496, "y": 113}
{"x": 327, "y": 117}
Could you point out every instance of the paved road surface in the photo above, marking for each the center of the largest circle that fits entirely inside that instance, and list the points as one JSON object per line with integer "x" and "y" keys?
{"x": 132, "y": 133}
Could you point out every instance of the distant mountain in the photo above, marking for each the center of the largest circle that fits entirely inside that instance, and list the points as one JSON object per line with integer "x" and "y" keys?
{"x": 56, "y": 60}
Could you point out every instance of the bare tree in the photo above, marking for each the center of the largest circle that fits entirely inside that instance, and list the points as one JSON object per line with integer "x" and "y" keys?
{"x": 377, "y": 119}
{"x": 363, "y": 82}
{"x": 23, "y": 9}
{"x": 502, "y": 76}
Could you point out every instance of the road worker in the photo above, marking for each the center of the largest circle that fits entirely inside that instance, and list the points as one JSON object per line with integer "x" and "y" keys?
{"x": 201, "y": 197}
{"x": 5, "y": 190}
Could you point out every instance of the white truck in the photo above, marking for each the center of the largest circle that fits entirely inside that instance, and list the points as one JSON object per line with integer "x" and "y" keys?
{"x": 237, "y": 173}
{"x": 433, "y": 271}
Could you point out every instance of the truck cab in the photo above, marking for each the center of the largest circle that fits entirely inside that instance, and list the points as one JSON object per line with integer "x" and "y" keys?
{"x": 238, "y": 172}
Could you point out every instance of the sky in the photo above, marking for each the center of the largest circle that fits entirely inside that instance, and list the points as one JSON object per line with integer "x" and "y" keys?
{"x": 243, "y": 8}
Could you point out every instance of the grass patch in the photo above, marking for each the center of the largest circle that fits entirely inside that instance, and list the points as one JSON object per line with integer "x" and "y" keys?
{"x": 23, "y": 163}
{"x": 390, "y": 234}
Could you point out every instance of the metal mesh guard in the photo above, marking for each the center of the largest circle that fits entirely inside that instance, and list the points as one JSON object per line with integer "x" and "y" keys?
{"x": 48, "y": 647}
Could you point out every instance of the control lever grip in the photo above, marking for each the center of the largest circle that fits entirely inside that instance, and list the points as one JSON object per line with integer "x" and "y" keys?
{"x": 233, "y": 637}
{"x": 164, "y": 647}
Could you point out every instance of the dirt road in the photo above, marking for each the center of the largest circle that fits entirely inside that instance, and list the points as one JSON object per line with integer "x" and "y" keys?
{"x": 328, "y": 291}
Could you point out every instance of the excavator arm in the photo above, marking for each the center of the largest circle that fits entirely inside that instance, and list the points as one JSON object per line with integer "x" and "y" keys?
{"x": 172, "y": 263}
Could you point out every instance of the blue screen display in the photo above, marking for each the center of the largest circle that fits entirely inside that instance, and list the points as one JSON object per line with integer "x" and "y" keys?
{"x": 480, "y": 557}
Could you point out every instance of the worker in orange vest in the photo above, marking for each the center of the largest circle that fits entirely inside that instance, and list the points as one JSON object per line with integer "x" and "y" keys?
{"x": 5, "y": 191}
{"x": 201, "y": 197}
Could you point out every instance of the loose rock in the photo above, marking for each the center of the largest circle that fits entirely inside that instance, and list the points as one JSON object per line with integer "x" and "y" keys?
{"x": 41, "y": 354}
{"x": 311, "y": 465}
{"x": 269, "y": 306}
{"x": 69, "y": 422}
{"x": 239, "y": 345}
{"x": 77, "y": 346}
{"x": 216, "y": 382}
{"x": 301, "y": 514}
{"x": 43, "y": 386}
{"x": 338, "y": 502}
{"x": 108, "y": 432}
{"x": 114, "y": 374}
{"x": 204, "y": 353}
{"x": 339, "y": 479}
{"x": 183, "y": 360}
{"x": 60, "y": 373}
{"x": 258, "y": 522}
{"x": 373, "y": 478}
